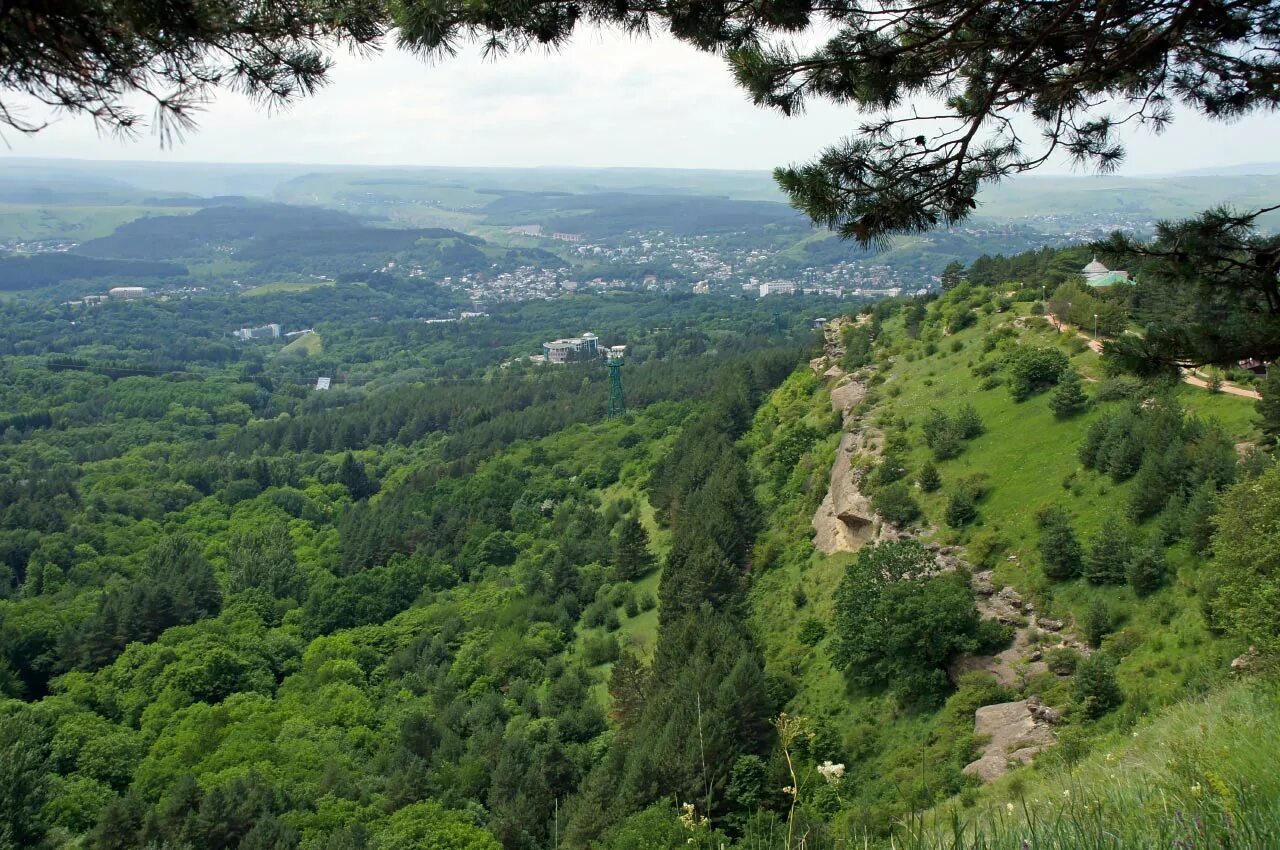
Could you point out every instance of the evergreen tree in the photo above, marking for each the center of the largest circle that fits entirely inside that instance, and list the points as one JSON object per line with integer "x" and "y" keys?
{"x": 631, "y": 556}
{"x": 1268, "y": 407}
{"x": 1147, "y": 570}
{"x": 1060, "y": 551}
{"x": 1169, "y": 525}
{"x": 352, "y": 475}
{"x": 961, "y": 509}
{"x": 1095, "y": 689}
{"x": 1109, "y": 553}
{"x": 1068, "y": 398}
{"x": 1197, "y": 517}
{"x": 952, "y": 275}
{"x": 929, "y": 478}
{"x": 967, "y": 423}
{"x": 1150, "y": 490}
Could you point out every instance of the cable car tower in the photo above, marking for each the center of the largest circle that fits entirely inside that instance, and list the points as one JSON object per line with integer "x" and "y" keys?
{"x": 617, "y": 402}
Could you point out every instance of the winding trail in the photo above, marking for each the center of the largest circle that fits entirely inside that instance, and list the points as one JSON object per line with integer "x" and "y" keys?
{"x": 1188, "y": 377}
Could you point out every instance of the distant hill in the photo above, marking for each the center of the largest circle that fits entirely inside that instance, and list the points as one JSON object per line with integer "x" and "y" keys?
{"x": 40, "y": 270}
{"x": 204, "y": 232}
{"x": 614, "y": 213}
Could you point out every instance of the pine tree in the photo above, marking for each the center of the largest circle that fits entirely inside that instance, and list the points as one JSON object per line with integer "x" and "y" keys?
{"x": 631, "y": 556}
{"x": 1060, "y": 551}
{"x": 1109, "y": 554}
{"x": 1095, "y": 689}
{"x": 961, "y": 509}
{"x": 1268, "y": 407}
{"x": 1147, "y": 570}
{"x": 1197, "y": 517}
{"x": 352, "y": 475}
{"x": 929, "y": 478}
{"x": 1068, "y": 398}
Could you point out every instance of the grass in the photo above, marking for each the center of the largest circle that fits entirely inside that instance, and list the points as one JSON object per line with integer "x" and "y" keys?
{"x": 309, "y": 342}
{"x": 903, "y": 760}
{"x": 285, "y": 287}
{"x": 1200, "y": 775}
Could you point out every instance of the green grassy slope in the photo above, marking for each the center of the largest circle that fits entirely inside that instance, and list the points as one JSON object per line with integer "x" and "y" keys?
{"x": 903, "y": 760}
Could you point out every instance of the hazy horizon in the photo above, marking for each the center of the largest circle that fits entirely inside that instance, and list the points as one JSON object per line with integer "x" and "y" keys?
{"x": 605, "y": 101}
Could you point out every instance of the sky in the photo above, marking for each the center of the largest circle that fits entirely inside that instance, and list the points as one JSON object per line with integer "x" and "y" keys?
{"x": 605, "y": 100}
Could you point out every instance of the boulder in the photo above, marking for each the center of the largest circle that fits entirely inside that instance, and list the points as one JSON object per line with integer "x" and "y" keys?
{"x": 1014, "y": 737}
{"x": 1049, "y": 625}
{"x": 982, "y": 583}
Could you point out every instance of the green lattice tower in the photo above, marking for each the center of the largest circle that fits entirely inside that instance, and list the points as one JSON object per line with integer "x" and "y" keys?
{"x": 777, "y": 323}
{"x": 617, "y": 402}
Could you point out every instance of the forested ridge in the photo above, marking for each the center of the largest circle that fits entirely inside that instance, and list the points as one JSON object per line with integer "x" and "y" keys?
{"x": 448, "y": 604}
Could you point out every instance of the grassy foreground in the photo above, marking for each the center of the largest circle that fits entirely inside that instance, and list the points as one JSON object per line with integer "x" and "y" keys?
{"x": 1202, "y": 774}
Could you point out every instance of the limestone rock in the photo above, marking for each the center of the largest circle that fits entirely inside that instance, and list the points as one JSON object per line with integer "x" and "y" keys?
{"x": 1015, "y": 736}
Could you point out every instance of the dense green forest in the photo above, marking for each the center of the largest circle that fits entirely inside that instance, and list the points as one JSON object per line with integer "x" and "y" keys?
{"x": 449, "y": 604}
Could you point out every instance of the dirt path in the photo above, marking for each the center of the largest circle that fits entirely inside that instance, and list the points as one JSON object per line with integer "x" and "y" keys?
{"x": 1187, "y": 377}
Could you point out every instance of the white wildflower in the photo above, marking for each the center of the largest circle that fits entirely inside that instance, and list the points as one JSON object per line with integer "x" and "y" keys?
{"x": 833, "y": 773}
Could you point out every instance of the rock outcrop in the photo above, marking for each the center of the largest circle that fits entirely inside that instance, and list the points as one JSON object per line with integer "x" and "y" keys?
{"x": 844, "y": 522}
{"x": 1016, "y": 731}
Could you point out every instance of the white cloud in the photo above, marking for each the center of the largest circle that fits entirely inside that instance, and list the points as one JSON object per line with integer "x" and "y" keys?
{"x": 606, "y": 100}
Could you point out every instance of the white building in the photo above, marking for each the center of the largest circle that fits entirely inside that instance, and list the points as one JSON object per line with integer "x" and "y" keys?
{"x": 777, "y": 287}
{"x": 127, "y": 292}
{"x": 271, "y": 331}
{"x": 323, "y": 383}
{"x": 571, "y": 348}
{"x": 1096, "y": 274}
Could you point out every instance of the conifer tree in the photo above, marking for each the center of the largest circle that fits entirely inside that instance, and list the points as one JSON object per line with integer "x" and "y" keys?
{"x": 1068, "y": 398}
{"x": 631, "y": 556}
{"x": 1060, "y": 551}
{"x": 1197, "y": 517}
{"x": 1095, "y": 689}
{"x": 1109, "y": 553}
{"x": 1147, "y": 570}
{"x": 961, "y": 509}
{"x": 929, "y": 478}
{"x": 1268, "y": 407}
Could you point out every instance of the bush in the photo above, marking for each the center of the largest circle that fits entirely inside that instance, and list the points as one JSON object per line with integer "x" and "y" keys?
{"x": 1095, "y": 690}
{"x": 1119, "y": 388}
{"x": 812, "y": 631}
{"x": 1062, "y": 660}
{"x": 967, "y": 422}
{"x": 600, "y": 649}
{"x": 896, "y": 504}
{"x": 1033, "y": 369}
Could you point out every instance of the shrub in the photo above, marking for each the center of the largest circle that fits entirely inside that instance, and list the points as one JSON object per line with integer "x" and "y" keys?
{"x": 1033, "y": 369}
{"x": 1119, "y": 388}
{"x": 600, "y": 649}
{"x": 961, "y": 509}
{"x": 1097, "y": 623}
{"x": 1062, "y": 660}
{"x": 896, "y": 504}
{"x": 1095, "y": 690}
{"x": 812, "y": 631}
{"x": 967, "y": 422}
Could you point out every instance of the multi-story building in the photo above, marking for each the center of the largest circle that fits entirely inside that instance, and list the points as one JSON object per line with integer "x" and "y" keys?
{"x": 271, "y": 331}
{"x": 571, "y": 348}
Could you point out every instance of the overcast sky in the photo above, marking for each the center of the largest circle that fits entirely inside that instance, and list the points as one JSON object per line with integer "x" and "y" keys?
{"x": 606, "y": 100}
